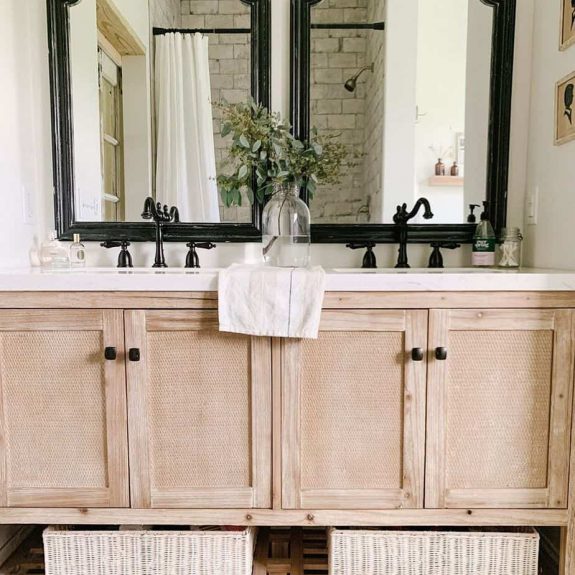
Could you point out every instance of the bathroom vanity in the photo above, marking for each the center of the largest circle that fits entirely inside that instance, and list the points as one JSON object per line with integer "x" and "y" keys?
{"x": 428, "y": 399}
{"x": 409, "y": 400}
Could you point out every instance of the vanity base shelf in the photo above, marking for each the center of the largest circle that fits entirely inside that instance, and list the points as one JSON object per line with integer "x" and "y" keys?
{"x": 294, "y": 551}
{"x": 287, "y": 518}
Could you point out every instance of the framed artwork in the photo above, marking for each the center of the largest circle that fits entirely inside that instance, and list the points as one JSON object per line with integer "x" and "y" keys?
{"x": 565, "y": 110}
{"x": 567, "y": 24}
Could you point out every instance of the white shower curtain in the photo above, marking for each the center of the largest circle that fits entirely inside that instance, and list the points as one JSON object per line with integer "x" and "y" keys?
{"x": 186, "y": 162}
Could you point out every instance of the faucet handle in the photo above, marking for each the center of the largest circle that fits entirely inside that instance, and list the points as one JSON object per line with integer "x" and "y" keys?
{"x": 369, "y": 260}
{"x": 124, "y": 257}
{"x": 436, "y": 258}
{"x": 192, "y": 259}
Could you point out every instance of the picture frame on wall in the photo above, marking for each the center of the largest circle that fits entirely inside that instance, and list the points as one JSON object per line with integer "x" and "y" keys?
{"x": 565, "y": 110}
{"x": 567, "y": 24}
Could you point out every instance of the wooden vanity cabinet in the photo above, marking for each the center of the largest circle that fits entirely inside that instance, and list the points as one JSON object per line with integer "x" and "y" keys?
{"x": 199, "y": 413}
{"x": 63, "y": 409}
{"x": 353, "y": 420}
{"x": 499, "y": 408}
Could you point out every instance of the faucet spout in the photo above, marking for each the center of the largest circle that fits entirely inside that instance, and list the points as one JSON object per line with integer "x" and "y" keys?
{"x": 161, "y": 215}
{"x": 401, "y": 220}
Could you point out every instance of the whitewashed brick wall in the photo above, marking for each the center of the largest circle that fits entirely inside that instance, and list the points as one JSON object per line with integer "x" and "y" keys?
{"x": 230, "y": 71}
{"x": 165, "y": 13}
{"x": 374, "y": 112}
{"x": 338, "y": 55}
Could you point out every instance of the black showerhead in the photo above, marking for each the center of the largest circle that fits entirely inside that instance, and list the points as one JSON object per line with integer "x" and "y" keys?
{"x": 351, "y": 84}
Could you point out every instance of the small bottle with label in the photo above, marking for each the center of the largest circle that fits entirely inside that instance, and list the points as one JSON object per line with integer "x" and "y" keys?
{"x": 77, "y": 253}
{"x": 53, "y": 255}
{"x": 484, "y": 242}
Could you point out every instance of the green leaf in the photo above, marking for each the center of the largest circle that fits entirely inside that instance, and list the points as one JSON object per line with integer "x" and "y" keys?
{"x": 250, "y": 194}
{"x": 298, "y": 145}
{"x": 226, "y": 130}
{"x": 317, "y": 148}
{"x": 257, "y": 146}
{"x": 244, "y": 141}
{"x": 243, "y": 172}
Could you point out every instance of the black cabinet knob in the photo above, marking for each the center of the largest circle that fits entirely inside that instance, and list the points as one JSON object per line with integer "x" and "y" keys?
{"x": 134, "y": 354}
{"x": 417, "y": 354}
{"x": 441, "y": 353}
{"x": 110, "y": 353}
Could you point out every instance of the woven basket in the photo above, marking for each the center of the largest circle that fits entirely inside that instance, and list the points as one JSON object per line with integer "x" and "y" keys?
{"x": 148, "y": 552}
{"x": 432, "y": 553}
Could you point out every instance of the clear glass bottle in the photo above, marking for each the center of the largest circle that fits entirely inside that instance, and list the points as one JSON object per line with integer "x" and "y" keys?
{"x": 53, "y": 255}
{"x": 77, "y": 253}
{"x": 286, "y": 229}
{"x": 510, "y": 248}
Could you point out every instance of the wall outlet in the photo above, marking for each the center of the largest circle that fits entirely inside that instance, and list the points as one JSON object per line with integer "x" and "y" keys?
{"x": 533, "y": 206}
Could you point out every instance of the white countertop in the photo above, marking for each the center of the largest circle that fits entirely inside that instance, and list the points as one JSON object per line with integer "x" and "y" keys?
{"x": 181, "y": 280}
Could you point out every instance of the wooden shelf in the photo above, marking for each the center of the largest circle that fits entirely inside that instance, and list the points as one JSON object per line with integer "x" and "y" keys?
{"x": 446, "y": 181}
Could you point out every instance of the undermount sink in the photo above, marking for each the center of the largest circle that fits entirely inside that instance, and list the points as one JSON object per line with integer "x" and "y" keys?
{"x": 424, "y": 271}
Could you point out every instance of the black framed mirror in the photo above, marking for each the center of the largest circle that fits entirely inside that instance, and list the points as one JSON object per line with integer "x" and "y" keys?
{"x": 404, "y": 83}
{"x": 122, "y": 117}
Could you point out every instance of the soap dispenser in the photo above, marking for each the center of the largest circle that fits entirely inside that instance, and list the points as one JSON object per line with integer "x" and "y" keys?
{"x": 484, "y": 241}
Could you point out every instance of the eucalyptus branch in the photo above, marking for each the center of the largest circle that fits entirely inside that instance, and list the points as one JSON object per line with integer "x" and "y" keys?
{"x": 264, "y": 154}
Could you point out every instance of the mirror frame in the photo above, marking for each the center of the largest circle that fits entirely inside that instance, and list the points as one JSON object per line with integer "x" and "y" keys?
{"x": 503, "y": 40}
{"x": 63, "y": 140}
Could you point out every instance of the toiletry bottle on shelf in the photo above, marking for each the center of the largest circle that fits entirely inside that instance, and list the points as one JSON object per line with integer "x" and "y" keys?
{"x": 77, "y": 253}
{"x": 454, "y": 170}
{"x": 440, "y": 168}
{"x": 53, "y": 255}
{"x": 484, "y": 242}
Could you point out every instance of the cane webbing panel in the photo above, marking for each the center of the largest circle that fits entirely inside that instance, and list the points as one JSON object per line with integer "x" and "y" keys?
{"x": 352, "y": 411}
{"x": 199, "y": 407}
{"x": 498, "y": 402}
{"x": 54, "y": 407}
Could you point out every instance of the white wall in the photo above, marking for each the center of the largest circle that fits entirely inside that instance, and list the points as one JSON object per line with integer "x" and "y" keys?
{"x": 551, "y": 169}
{"x": 25, "y": 139}
{"x": 25, "y": 130}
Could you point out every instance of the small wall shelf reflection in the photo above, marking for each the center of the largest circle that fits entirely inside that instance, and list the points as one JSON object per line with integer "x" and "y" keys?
{"x": 444, "y": 181}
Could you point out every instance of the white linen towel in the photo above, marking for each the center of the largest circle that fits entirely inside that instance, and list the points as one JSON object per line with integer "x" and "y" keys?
{"x": 272, "y": 302}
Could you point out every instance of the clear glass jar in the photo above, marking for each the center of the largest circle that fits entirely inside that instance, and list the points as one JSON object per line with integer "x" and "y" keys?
{"x": 286, "y": 229}
{"x": 510, "y": 248}
{"x": 53, "y": 254}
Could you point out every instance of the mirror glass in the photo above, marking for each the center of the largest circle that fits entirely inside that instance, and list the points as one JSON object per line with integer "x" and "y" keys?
{"x": 406, "y": 86}
{"x": 144, "y": 104}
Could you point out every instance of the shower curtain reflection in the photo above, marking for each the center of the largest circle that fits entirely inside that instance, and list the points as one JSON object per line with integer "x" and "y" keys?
{"x": 186, "y": 163}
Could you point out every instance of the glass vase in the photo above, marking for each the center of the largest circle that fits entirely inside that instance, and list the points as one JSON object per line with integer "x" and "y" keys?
{"x": 286, "y": 229}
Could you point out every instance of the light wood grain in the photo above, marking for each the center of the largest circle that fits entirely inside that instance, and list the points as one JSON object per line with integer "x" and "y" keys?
{"x": 276, "y": 424}
{"x": 106, "y": 482}
{"x": 117, "y": 30}
{"x": 333, "y": 300}
{"x": 269, "y": 517}
{"x": 116, "y": 408}
{"x": 439, "y": 493}
{"x": 147, "y": 492}
{"x": 135, "y": 333}
{"x": 408, "y": 489}
{"x": 225, "y": 498}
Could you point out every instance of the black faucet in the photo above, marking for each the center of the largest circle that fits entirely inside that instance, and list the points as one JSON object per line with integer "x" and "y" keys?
{"x": 401, "y": 219}
{"x": 369, "y": 261}
{"x": 192, "y": 259}
{"x": 160, "y": 215}
{"x": 124, "y": 257}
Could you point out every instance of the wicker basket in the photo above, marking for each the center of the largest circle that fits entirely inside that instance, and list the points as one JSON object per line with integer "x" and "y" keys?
{"x": 432, "y": 552}
{"x": 148, "y": 552}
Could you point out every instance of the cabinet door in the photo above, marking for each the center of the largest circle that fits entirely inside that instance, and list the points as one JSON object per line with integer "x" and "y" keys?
{"x": 499, "y": 409}
{"x": 199, "y": 413}
{"x": 354, "y": 412}
{"x": 63, "y": 409}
